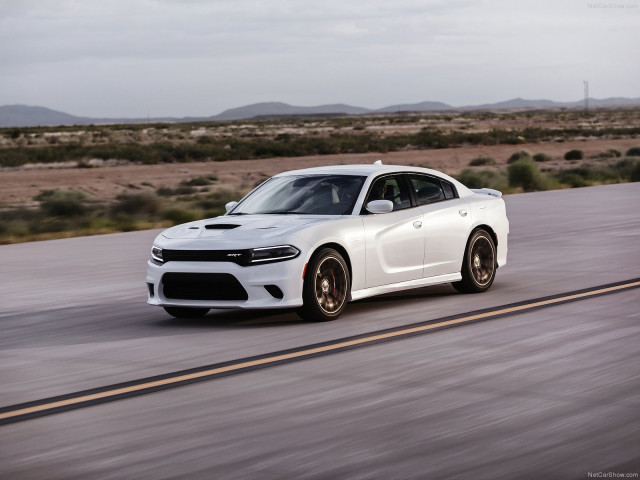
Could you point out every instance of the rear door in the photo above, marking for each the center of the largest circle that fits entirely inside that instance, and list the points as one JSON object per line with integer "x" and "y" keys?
{"x": 447, "y": 221}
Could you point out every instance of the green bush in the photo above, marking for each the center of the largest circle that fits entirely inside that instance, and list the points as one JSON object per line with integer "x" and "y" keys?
{"x": 216, "y": 201}
{"x": 181, "y": 189}
{"x": 62, "y": 203}
{"x": 516, "y": 157}
{"x": 635, "y": 173}
{"x": 483, "y": 179}
{"x": 164, "y": 191}
{"x": 143, "y": 203}
{"x": 574, "y": 155}
{"x": 625, "y": 168}
{"x": 614, "y": 153}
{"x": 633, "y": 152}
{"x": 611, "y": 153}
{"x": 196, "y": 182}
{"x": 206, "y": 140}
{"x": 542, "y": 157}
{"x": 593, "y": 175}
{"x": 482, "y": 161}
{"x": 525, "y": 174}
{"x": 179, "y": 215}
{"x": 211, "y": 148}
{"x": 574, "y": 180}
{"x": 184, "y": 190}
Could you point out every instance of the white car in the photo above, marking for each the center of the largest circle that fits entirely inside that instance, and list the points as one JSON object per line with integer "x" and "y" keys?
{"x": 318, "y": 238}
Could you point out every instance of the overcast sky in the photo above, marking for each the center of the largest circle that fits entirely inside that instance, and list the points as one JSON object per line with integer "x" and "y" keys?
{"x": 133, "y": 58}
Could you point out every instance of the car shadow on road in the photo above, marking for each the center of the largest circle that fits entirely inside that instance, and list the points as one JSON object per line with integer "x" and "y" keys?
{"x": 236, "y": 319}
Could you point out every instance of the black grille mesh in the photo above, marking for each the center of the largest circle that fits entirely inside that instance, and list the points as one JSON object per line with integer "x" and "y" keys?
{"x": 202, "y": 286}
{"x": 241, "y": 257}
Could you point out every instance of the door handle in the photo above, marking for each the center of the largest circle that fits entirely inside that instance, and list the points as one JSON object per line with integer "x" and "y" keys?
{"x": 463, "y": 213}
{"x": 417, "y": 224}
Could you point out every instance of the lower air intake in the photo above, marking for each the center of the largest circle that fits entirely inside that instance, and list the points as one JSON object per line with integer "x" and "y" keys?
{"x": 202, "y": 286}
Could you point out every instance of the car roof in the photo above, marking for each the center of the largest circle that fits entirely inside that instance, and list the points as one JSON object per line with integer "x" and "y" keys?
{"x": 360, "y": 169}
{"x": 375, "y": 169}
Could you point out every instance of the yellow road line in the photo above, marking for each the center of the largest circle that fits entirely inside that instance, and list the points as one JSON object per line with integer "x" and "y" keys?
{"x": 310, "y": 351}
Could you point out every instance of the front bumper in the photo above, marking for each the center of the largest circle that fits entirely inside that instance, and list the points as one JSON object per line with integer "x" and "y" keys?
{"x": 257, "y": 280}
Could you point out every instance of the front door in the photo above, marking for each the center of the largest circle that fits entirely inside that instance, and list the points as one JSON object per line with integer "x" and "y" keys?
{"x": 395, "y": 241}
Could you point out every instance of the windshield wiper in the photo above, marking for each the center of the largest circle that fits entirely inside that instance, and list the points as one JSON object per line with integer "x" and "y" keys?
{"x": 239, "y": 213}
{"x": 282, "y": 212}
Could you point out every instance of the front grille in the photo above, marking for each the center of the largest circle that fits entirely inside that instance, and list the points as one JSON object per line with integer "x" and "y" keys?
{"x": 240, "y": 257}
{"x": 203, "y": 286}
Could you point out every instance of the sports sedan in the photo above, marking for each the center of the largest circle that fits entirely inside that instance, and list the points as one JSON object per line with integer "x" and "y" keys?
{"x": 318, "y": 238}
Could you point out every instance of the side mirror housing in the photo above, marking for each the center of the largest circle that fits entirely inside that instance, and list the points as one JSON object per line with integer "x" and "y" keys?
{"x": 229, "y": 206}
{"x": 379, "y": 206}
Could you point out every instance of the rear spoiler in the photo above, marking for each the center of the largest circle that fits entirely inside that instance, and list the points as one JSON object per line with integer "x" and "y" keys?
{"x": 487, "y": 191}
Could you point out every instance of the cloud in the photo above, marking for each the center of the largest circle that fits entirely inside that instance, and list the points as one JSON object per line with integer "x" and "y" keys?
{"x": 198, "y": 57}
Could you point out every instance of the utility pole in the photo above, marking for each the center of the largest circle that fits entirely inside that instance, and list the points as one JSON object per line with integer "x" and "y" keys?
{"x": 586, "y": 97}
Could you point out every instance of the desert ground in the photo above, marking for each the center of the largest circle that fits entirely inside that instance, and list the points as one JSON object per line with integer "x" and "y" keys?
{"x": 21, "y": 185}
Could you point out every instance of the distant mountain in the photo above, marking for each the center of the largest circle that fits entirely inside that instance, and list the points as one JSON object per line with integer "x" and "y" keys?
{"x": 26, "y": 116}
{"x": 519, "y": 103}
{"x": 611, "y": 102}
{"x": 415, "y": 107}
{"x": 279, "y": 109}
{"x": 516, "y": 103}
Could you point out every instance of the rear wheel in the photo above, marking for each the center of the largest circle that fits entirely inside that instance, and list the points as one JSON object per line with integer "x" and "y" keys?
{"x": 186, "y": 312}
{"x": 479, "y": 264}
{"x": 326, "y": 286}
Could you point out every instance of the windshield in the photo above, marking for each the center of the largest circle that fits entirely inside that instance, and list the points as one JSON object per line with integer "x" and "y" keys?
{"x": 303, "y": 194}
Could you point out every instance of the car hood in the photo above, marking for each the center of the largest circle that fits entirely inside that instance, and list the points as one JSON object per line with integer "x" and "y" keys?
{"x": 241, "y": 228}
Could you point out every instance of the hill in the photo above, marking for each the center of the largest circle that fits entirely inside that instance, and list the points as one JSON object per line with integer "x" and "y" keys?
{"x": 28, "y": 116}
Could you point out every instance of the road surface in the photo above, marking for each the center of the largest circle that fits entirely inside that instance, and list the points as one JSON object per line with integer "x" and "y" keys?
{"x": 553, "y": 392}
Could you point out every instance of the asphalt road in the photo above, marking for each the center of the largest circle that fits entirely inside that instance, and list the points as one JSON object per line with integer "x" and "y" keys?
{"x": 553, "y": 393}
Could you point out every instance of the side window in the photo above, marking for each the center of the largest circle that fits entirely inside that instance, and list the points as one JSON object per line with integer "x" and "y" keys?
{"x": 427, "y": 189}
{"x": 449, "y": 191}
{"x": 390, "y": 188}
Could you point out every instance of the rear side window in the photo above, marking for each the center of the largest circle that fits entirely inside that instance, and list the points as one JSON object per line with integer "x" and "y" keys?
{"x": 427, "y": 190}
{"x": 448, "y": 189}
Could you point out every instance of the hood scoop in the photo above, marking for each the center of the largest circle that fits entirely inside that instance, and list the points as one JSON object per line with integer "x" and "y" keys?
{"x": 221, "y": 226}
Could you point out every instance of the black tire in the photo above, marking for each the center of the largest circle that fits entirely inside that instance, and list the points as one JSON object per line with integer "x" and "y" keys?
{"x": 326, "y": 286}
{"x": 186, "y": 312}
{"x": 479, "y": 264}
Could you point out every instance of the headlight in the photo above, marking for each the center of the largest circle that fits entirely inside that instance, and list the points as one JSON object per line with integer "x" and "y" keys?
{"x": 156, "y": 255}
{"x": 272, "y": 254}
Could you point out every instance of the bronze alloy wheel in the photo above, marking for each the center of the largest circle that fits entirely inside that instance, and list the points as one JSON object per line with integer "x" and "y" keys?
{"x": 483, "y": 260}
{"x": 479, "y": 264}
{"x": 330, "y": 285}
{"x": 326, "y": 286}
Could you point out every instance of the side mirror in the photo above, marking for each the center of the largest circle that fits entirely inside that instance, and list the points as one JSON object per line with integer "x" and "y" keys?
{"x": 379, "y": 206}
{"x": 229, "y": 206}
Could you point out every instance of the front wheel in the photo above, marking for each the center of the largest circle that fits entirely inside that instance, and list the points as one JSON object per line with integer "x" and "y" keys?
{"x": 186, "y": 312}
{"x": 326, "y": 286}
{"x": 479, "y": 264}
